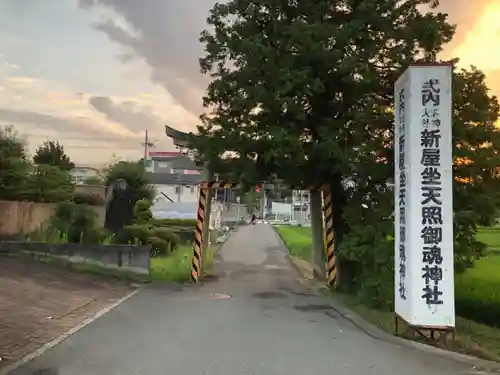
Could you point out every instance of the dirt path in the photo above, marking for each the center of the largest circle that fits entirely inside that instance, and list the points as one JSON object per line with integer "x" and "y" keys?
{"x": 39, "y": 302}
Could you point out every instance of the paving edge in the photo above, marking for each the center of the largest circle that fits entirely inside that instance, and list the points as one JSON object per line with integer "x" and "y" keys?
{"x": 51, "y": 344}
{"x": 377, "y": 333}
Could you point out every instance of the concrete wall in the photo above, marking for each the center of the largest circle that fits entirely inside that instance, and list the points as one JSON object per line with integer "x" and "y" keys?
{"x": 99, "y": 190}
{"x": 27, "y": 217}
{"x": 133, "y": 259}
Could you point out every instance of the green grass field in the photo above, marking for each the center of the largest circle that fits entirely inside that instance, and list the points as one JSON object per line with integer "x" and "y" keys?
{"x": 477, "y": 291}
{"x": 177, "y": 266}
{"x": 297, "y": 240}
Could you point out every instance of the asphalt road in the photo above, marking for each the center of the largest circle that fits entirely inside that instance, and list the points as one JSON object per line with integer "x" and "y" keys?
{"x": 271, "y": 325}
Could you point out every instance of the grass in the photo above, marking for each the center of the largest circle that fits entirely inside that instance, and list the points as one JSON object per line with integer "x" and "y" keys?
{"x": 297, "y": 240}
{"x": 472, "y": 338}
{"x": 491, "y": 237}
{"x": 477, "y": 295}
{"x": 177, "y": 266}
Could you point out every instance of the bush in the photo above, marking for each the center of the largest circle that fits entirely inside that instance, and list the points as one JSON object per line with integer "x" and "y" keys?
{"x": 159, "y": 247}
{"x": 171, "y": 238}
{"x": 134, "y": 233}
{"x": 366, "y": 261}
{"x": 186, "y": 236}
{"x": 191, "y": 223}
{"x": 76, "y": 222}
{"x": 142, "y": 211}
{"x": 90, "y": 199}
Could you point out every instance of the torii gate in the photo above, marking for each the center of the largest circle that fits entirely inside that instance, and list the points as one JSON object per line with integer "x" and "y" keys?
{"x": 321, "y": 210}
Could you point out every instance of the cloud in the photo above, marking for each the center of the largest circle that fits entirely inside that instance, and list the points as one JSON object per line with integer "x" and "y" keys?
{"x": 165, "y": 34}
{"x": 54, "y": 123}
{"x": 144, "y": 112}
{"x": 463, "y": 13}
{"x": 85, "y": 140}
{"x": 127, "y": 114}
{"x": 485, "y": 32}
{"x": 21, "y": 80}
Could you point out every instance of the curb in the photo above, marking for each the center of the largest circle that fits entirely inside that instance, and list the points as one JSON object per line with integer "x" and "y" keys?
{"x": 51, "y": 344}
{"x": 478, "y": 365}
{"x": 378, "y": 334}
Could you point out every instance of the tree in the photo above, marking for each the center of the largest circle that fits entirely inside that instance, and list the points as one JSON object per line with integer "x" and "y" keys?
{"x": 120, "y": 208}
{"x": 48, "y": 183}
{"x": 304, "y": 90}
{"x": 300, "y": 89}
{"x": 13, "y": 164}
{"x": 52, "y": 153}
{"x": 142, "y": 212}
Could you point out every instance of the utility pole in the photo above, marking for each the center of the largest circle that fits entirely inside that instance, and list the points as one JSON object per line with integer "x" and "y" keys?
{"x": 146, "y": 149}
{"x": 147, "y": 143}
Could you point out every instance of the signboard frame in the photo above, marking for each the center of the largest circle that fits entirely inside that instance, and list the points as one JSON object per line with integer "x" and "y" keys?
{"x": 423, "y": 179}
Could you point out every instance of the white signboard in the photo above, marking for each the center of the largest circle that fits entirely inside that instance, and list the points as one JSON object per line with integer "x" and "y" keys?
{"x": 424, "y": 277}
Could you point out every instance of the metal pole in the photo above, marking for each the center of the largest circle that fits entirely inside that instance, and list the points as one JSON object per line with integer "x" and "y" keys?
{"x": 317, "y": 228}
{"x": 146, "y": 142}
{"x": 206, "y": 224}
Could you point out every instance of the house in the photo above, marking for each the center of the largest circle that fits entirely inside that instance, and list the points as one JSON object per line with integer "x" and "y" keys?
{"x": 80, "y": 173}
{"x": 175, "y": 178}
{"x": 171, "y": 162}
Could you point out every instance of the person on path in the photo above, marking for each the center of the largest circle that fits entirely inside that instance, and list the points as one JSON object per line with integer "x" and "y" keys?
{"x": 252, "y": 219}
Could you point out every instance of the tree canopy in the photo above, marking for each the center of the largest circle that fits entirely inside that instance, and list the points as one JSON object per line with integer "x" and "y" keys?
{"x": 13, "y": 163}
{"x": 304, "y": 91}
{"x": 20, "y": 180}
{"x": 52, "y": 153}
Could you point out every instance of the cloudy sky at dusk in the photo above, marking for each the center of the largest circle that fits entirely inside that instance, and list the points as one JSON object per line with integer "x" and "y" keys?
{"x": 96, "y": 73}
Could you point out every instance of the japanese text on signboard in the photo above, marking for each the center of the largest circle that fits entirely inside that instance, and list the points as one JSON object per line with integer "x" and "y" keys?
{"x": 402, "y": 195}
{"x": 431, "y": 199}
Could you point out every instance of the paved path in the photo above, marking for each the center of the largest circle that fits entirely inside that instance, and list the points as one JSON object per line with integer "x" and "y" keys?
{"x": 271, "y": 325}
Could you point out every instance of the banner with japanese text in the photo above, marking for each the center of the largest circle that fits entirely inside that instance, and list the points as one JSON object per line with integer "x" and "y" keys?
{"x": 423, "y": 176}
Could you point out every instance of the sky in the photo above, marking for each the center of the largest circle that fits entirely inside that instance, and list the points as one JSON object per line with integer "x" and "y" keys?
{"x": 95, "y": 74}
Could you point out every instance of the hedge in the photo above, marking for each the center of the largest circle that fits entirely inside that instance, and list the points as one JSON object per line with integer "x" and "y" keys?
{"x": 175, "y": 223}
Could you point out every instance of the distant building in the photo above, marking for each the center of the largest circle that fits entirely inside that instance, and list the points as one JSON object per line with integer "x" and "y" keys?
{"x": 171, "y": 162}
{"x": 175, "y": 178}
{"x": 83, "y": 172}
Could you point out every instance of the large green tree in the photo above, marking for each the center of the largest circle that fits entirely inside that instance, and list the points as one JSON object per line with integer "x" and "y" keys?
{"x": 52, "y": 153}
{"x": 13, "y": 164}
{"x": 304, "y": 90}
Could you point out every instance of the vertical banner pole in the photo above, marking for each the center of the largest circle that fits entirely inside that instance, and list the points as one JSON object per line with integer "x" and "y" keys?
{"x": 198, "y": 239}
{"x": 331, "y": 271}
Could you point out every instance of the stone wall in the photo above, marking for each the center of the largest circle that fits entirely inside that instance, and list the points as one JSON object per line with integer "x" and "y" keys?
{"x": 99, "y": 190}
{"x": 27, "y": 217}
{"x": 128, "y": 258}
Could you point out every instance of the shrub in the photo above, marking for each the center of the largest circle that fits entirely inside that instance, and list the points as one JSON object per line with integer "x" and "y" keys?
{"x": 186, "y": 236}
{"x": 134, "y": 234}
{"x": 77, "y": 222}
{"x": 90, "y": 199}
{"x": 191, "y": 223}
{"x": 159, "y": 247}
{"x": 142, "y": 211}
{"x": 171, "y": 238}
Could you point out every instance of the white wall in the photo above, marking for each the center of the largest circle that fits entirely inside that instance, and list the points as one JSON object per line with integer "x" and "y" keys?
{"x": 177, "y": 193}
{"x": 80, "y": 174}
